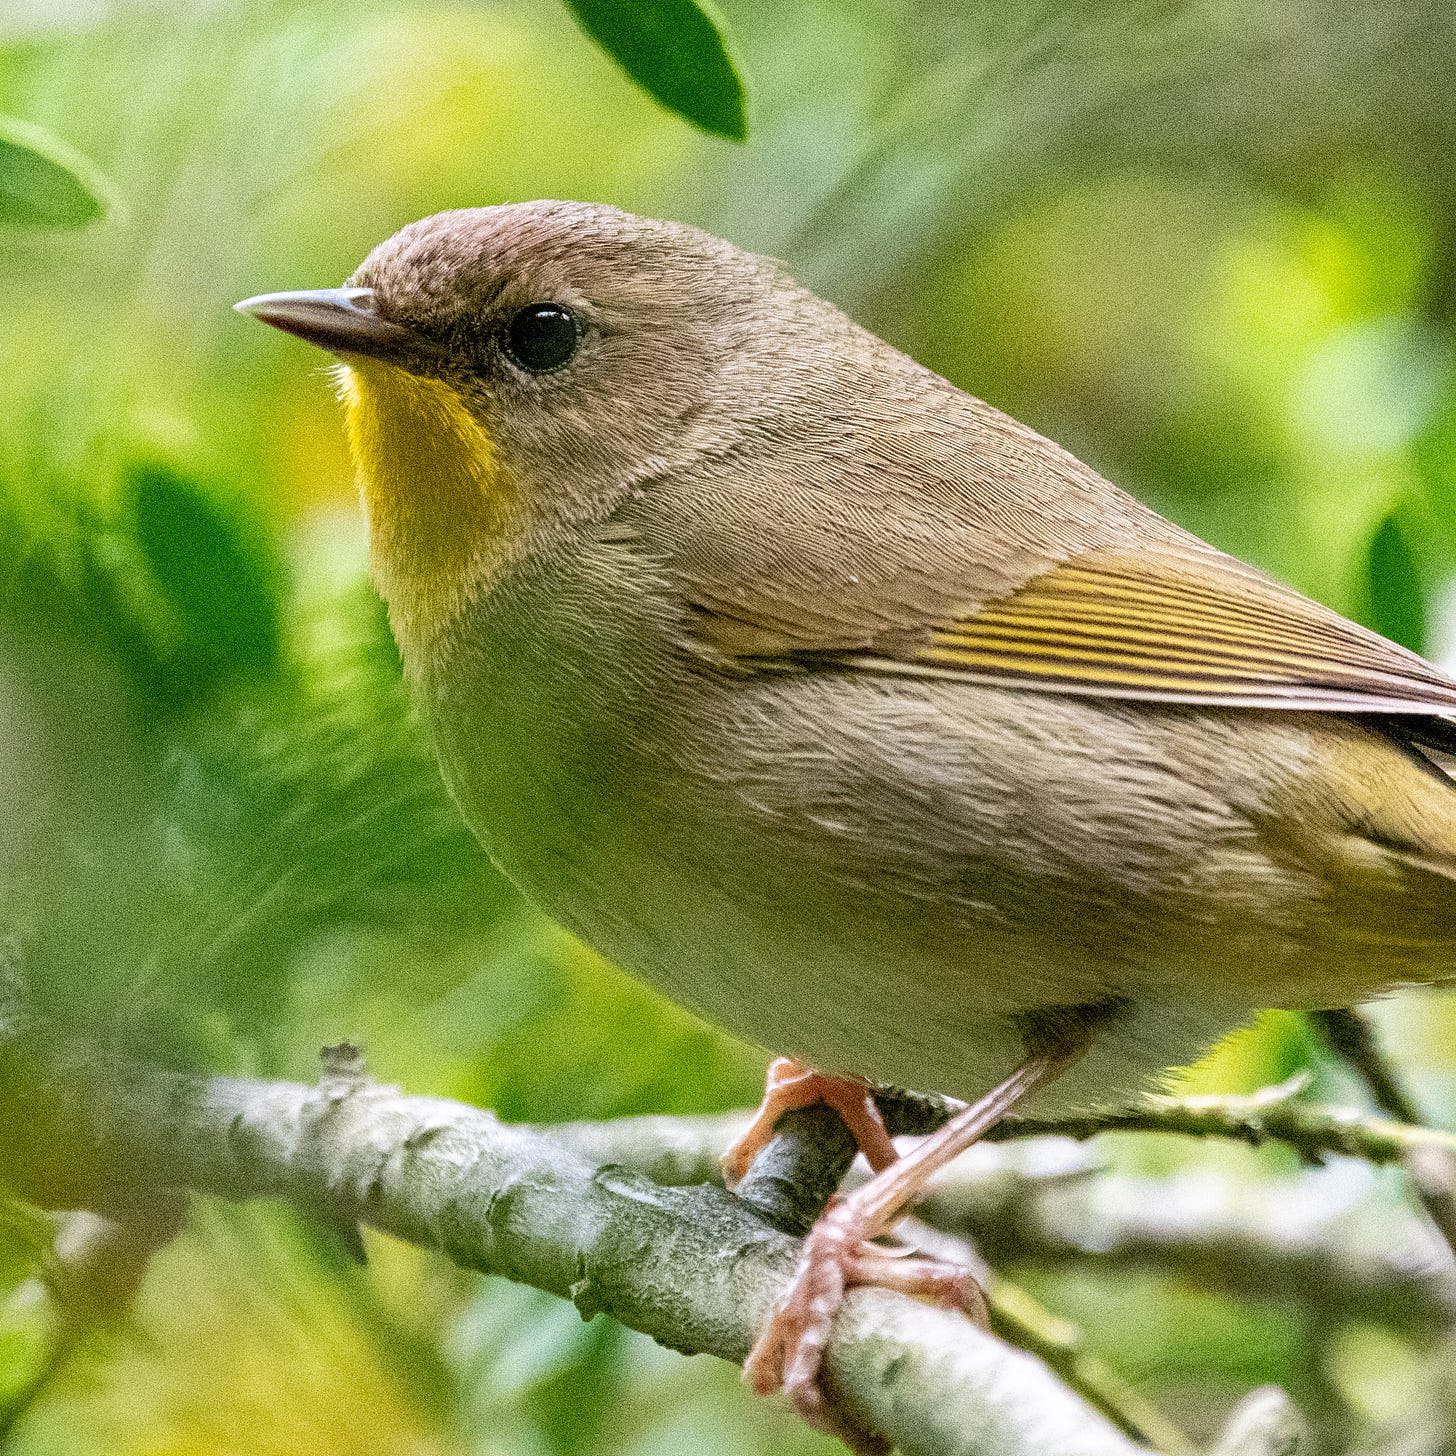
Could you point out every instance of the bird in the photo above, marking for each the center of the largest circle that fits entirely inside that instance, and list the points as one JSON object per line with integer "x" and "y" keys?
{"x": 853, "y": 714}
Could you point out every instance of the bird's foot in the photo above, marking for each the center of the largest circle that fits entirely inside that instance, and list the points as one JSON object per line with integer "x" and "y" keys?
{"x": 790, "y": 1085}
{"x": 838, "y": 1251}
{"x": 837, "y": 1256}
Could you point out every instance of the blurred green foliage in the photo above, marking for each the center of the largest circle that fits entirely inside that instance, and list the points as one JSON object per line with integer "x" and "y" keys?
{"x": 1206, "y": 245}
{"x": 43, "y": 183}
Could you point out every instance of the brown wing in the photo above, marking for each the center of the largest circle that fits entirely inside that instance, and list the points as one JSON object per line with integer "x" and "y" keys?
{"x": 1162, "y": 623}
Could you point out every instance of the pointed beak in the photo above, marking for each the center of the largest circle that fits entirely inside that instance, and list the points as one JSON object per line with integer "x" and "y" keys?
{"x": 341, "y": 320}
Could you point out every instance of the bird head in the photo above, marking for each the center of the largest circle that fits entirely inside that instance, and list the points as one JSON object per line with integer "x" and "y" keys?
{"x": 511, "y": 373}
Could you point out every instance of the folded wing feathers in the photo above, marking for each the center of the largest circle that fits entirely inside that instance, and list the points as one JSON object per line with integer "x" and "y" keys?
{"x": 1163, "y": 625}
{"x": 1194, "y": 630}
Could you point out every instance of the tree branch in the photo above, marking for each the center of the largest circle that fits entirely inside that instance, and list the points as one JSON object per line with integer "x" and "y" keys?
{"x": 1258, "y": 1243}
{"x": 793, "y": 1178}
{"x": 692, "y": 1267}
{"x": 1282, "y": 1243}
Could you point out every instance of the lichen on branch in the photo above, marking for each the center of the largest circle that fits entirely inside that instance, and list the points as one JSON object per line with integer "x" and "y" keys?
{"x": 693, "y": 1267}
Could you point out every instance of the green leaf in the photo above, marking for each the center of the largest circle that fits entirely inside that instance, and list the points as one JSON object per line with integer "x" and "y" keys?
{"x": 216, "y": 575}
{"x": 676, "y": 50}
{"x": 43, "y": 183}
{"x": 1397, "y": 594}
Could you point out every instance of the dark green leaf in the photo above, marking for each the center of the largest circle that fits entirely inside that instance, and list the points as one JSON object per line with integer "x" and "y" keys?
{"x": 221, "y": 582}
{"x": 1397, "y": 596}
{"x": 677, "y": 52}
{"x": 43, "y": 183}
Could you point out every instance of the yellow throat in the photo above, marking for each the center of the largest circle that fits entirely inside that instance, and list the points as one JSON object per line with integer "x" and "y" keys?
{"x": 435, "y": 497}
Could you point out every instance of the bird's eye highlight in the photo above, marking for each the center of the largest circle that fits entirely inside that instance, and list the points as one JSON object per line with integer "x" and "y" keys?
{"x": 542, "y": 337}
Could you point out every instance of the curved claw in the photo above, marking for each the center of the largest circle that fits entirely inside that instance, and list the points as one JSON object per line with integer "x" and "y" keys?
{"x": 789, "y": 1355}
{"x": 790, "y": 1085}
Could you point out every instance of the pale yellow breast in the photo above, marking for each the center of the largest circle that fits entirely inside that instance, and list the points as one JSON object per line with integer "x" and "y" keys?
{"x": 435, "y": 497}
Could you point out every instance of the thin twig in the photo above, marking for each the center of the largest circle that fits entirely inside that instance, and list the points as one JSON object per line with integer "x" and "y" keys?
{"x": 1432, "y": 1171}
{"x": 1010, "y": 1215}
{"x": 1291, "y": 1241}
{"x": 91, "y": 1267}
{"x": 1274, "y": 1115}
{"x": 1026, "y": 1322}
{"x": 1350, "y": 1035}
{"x": 685, "y": 1150}
{"x": 1017, "y": 1315}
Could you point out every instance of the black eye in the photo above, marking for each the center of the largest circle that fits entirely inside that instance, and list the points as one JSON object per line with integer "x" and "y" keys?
{"x": 542, "y": 337}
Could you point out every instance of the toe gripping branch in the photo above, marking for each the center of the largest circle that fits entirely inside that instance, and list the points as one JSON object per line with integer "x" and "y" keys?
{"x": 840, "y": 1249}
{"x": 795, "y": 1153}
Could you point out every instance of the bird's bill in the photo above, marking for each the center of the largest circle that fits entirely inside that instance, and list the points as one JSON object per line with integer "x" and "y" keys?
{"x": 341, "y": 320}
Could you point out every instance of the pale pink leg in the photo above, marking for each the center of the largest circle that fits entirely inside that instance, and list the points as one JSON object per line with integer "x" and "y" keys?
{"x": 790, "y": 1085}
{"x": 837, "y": 1254}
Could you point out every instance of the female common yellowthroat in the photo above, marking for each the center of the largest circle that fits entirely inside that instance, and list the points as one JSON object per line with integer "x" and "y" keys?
{"x": 852, "y": 713}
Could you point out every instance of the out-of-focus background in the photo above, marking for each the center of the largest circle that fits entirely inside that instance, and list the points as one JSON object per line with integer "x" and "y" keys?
{"x": 1206, "y": 245}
